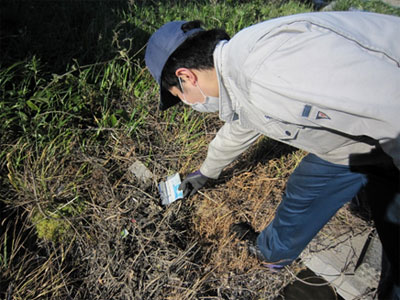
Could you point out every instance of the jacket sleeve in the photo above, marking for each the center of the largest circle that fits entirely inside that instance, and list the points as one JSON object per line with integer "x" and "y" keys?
{"x": 231, "y": 140}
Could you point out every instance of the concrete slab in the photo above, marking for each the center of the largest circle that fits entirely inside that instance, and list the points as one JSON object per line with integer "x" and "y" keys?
{"x": 352, "y": 265}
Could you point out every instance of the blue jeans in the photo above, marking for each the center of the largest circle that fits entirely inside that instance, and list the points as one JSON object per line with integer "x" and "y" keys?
{"x": 315, "y": 192}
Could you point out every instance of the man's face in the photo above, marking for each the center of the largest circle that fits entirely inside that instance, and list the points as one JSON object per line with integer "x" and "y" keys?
{"x": 191, "y": 93}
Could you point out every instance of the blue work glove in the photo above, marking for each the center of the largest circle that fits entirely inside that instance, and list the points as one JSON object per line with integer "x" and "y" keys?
{"x": 192, "y": 183}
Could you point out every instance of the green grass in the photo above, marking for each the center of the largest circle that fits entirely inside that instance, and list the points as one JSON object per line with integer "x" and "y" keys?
{"x": 76, "y": 101}
{"x": 371, "y": 6}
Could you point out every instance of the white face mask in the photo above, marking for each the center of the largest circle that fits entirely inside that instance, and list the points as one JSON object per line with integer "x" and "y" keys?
{"x": 211, "y": 104}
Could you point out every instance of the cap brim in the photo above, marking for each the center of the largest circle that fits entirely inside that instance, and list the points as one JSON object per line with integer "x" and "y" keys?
{"x": 167, "y": 99}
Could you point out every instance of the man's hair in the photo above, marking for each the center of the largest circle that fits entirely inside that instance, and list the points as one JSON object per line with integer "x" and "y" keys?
{"x": 195, "y": 53}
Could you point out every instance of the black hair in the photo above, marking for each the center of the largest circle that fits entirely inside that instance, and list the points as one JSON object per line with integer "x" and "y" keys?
{"x": 195, "y": 53}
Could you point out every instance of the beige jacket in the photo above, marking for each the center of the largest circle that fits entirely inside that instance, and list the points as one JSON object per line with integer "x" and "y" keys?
{"x": 328, "y": 83}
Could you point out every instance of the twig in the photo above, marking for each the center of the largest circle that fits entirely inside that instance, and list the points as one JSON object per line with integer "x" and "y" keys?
{"x": 305, "y": 282}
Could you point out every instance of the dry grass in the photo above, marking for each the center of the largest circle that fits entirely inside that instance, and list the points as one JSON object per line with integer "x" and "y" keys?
{"x": 75, "y": 222}
{"x": 251, "y": 197}
{"x": 183, "y": 251}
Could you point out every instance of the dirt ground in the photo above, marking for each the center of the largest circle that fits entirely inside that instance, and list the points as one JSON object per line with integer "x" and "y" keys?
{"x": 139, "y": 249}
{"x": 126, "y": 245}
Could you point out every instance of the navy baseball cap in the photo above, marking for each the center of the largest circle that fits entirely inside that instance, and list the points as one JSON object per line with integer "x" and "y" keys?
{"x": 159, "y": 48}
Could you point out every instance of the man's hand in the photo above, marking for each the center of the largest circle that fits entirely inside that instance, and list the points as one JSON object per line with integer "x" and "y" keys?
{"x": 192, "y": 183}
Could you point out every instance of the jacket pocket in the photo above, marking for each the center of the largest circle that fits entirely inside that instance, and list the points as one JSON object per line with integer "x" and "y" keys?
{"x": 271, "y": 127}
{"x": 281, "y": 131}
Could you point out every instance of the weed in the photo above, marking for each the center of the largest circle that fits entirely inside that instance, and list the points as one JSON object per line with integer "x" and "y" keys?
{"x": 51, "y": 229}
{"x": 372, "y": 6}
{"x": 78, "y": 107}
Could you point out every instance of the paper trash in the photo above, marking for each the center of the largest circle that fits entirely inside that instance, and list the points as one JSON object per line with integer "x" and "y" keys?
{"x": 169, "y": 189}
{"x": 141, "y": 172}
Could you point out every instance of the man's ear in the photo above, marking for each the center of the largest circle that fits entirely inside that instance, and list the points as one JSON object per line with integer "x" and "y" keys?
{"x": 186, "y": 75}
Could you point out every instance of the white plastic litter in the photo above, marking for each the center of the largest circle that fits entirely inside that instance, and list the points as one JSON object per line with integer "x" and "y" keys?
{"x": 141, "y": 172}
{"x": 124, "y": 233}
{"x": 169, "y": 191}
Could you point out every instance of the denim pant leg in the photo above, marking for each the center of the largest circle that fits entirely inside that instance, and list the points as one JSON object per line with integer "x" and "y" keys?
{"x": 314, "y": 193}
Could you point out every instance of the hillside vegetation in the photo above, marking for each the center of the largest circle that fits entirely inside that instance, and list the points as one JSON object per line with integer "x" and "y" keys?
{"x": 78, "y": 108}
